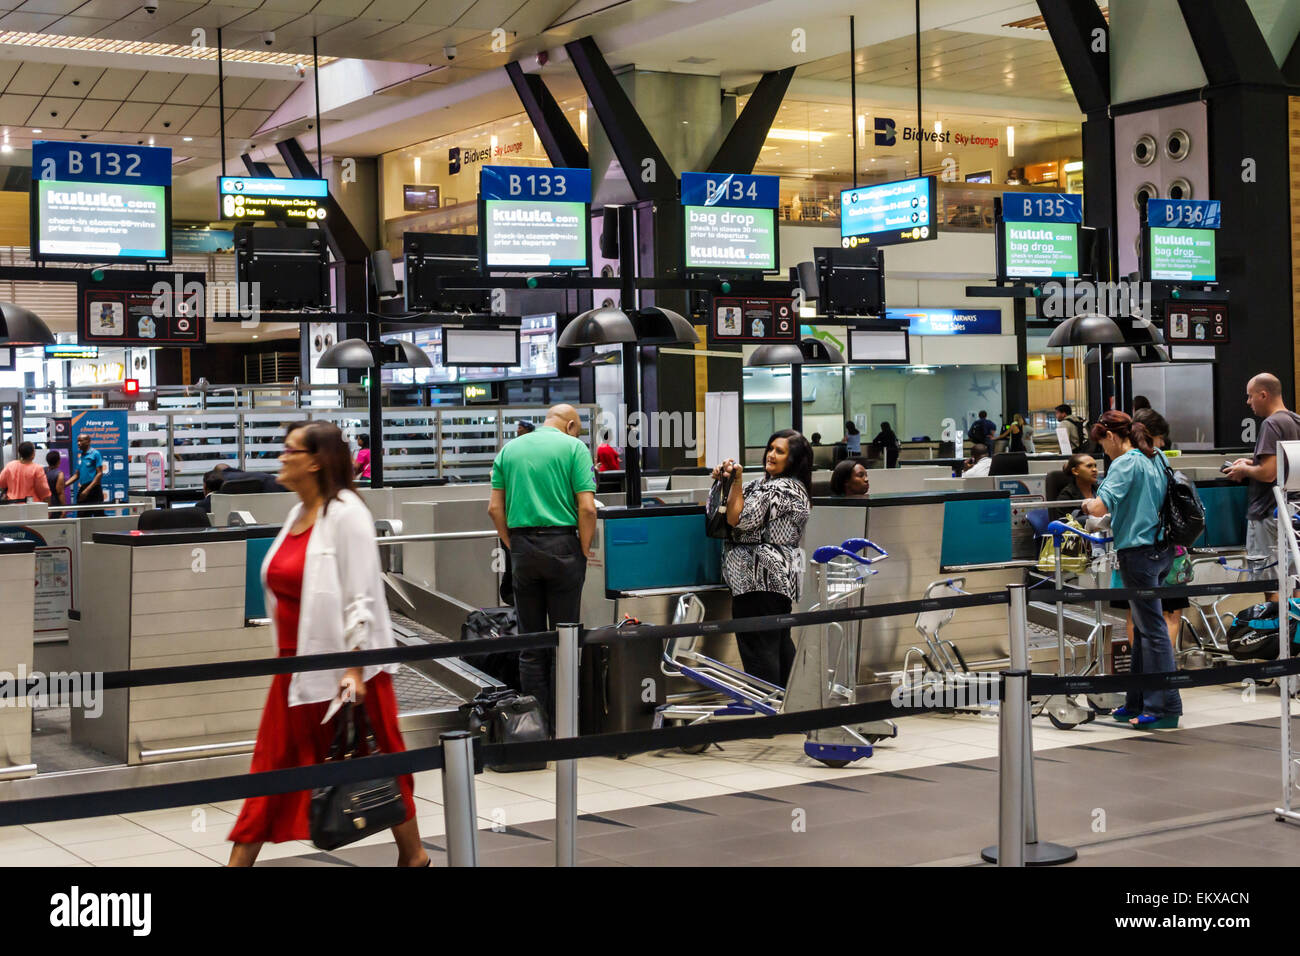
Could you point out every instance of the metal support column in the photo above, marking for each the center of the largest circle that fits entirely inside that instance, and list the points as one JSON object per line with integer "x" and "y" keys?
{"x": 566, "y": 725}
{"x": 1022, "y": 776}
{"x": 631, "y": 353}
{"x": 458, "y": 799}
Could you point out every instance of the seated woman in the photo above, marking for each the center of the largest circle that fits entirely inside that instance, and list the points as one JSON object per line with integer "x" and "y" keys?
{"x": 1082, "y": 470}
{"x": 849, "y": 480}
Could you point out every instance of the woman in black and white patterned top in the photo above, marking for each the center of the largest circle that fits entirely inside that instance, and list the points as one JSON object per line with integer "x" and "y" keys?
{"x": 763, "y": 564}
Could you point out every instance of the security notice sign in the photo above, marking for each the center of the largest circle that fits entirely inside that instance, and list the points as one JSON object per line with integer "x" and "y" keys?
{"x": 56, "y": 570}
{"x": 141, "y": 309}
{"x": 739, "y": 320}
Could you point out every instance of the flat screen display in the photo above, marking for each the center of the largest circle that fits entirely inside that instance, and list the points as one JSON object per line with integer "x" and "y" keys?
{"x": 1186, "y": 254}
{"x": 878, "y": 346}
{"x": 1041, "y": 250}
{"x": 101, "y": 222}
{"x": 524, "y": 235}
{"x": 889, "y": 213}
{"x": 497, "y": 348}
{"x": 537, "y": 356}
{"x": 726, "y": 238}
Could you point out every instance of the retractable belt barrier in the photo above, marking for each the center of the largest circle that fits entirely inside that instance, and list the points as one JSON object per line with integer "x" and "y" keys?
{"x": 241, "y": 786}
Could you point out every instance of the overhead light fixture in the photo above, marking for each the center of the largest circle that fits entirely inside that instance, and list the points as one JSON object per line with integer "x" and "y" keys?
{"x": 19, "y": 326}
{"x": 187, "y": 139}
{"x": 806, "y": 352}
{"x": 1074, "y": 167}
{"x": 141, "y": 48}
{"x": 1011, "y": 141}
{"x": 1090, "y": 329}
{"x": 356, "y": 353}
{"x": 602, "y": 326}
{"x": 796, "y": 135}
{"x": 38, "y": 131}
{"x": 614, "y": 357}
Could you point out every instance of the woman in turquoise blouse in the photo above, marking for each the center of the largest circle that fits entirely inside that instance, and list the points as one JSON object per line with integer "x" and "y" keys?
{"x": 1132, "y": 493}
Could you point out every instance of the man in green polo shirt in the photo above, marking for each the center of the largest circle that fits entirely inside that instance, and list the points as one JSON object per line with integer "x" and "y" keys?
{"x": 544, "y": 508}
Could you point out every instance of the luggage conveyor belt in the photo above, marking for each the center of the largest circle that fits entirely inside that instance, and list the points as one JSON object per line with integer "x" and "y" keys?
{"x": 429, "y": 696}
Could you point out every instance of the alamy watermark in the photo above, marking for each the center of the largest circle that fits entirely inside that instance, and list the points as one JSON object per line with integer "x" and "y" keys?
{"x": 1073, "y": 297}
{"x": 229, "y": 297}
{"x": 647, "y": 429}
{"x": 923, "y": 688}
{"x": 79, "y": 690}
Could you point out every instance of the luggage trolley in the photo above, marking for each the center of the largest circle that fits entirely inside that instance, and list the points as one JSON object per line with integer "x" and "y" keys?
{"x": 728, "y": 693}
{"x": 1210, "y": 636}
{"x": 945, "y": 667}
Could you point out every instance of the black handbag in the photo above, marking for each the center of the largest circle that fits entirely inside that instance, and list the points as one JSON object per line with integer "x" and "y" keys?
{"x": 507, "y": 717}
{"x": 347, "y": 812}
{"x": 715, "y": 510}
{"x": 491, "y": 623}
{"x": 1182, "y": 516}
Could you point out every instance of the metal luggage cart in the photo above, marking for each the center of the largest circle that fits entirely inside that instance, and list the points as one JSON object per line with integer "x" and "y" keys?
{"x": 824, "y": 672}
{"x": 945, "y": 667}
{"x": 1209, "y": 630}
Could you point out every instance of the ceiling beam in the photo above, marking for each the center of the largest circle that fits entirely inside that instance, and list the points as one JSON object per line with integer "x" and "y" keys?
{"x": 1082, "y": 40}
{"x": 740, "y": 150}
{"x": 631, "y": 141}
{"x": 563, "y": 146}
{"x": 344, "y": 240}
{"x": 1229, "y": 43}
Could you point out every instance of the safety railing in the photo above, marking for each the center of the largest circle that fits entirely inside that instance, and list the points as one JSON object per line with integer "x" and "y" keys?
{"x": 460, "y": 755}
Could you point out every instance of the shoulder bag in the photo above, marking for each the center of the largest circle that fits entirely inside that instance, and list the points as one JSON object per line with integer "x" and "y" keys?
{"x": 1182, "y": 516}
{"x": 347, "y": 812}
{"x": 715, "y": 510}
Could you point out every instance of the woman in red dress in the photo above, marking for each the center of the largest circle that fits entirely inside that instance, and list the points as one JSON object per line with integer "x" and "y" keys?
{"x": 325, "y": 553}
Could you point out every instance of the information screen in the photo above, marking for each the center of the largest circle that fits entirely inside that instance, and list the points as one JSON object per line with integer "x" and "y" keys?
{"x": 529, "y": 234}
{"x": 1048, "y": 250}
{"x": 272, "y": 199}
{"x": 1195, "y": 322}
{"x": 750, "y": 319}
{"x": 726, "y": 238}
{"x": 889, "y": 213}
{"x": 1182, "y": 254}
{"x": 146, "y": 309}
{"x": 101, "y": 221}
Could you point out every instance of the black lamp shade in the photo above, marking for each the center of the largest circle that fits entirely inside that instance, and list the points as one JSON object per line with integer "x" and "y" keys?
{"x": 1131, "y": 355}
{"x": 820, "y": 352}
{"x": 1086, "y": 330}
{"x": 658, "y": 324}
{"x": 19, "y": 326}
{"x": 784, "y": 353}
{"x": 350, "y": 353}
{"x": 601, "y": 326}
{"x": 407, "y": 355}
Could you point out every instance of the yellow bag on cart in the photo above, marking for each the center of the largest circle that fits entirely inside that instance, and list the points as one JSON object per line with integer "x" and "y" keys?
{"x": 1076, "y": 552}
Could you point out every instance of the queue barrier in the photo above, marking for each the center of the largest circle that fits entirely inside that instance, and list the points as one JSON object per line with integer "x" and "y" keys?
{"x": 460, "y": 755}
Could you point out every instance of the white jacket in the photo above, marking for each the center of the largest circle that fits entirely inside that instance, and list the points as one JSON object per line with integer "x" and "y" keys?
{"x": 343, "y": 603}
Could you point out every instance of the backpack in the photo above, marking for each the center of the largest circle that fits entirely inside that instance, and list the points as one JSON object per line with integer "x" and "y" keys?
{"x": 1254, "y": 633}
{"x": 1182, "y": 516}
{"x": 1078, "y": 435}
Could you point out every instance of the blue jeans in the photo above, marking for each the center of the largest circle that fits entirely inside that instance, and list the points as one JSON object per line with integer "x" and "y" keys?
{"x": 1146, "y": 567}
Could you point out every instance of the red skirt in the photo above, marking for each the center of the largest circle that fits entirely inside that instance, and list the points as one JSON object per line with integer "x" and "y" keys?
{"x": 295, "y": 737}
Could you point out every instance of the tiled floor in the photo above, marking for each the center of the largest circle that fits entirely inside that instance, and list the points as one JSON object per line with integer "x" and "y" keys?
{"x": 1200, "y": 794}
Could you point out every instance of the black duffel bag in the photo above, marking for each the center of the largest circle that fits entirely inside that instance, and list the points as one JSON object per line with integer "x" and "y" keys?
{"x": 507, "y": 717}
{"x": 491, "y": 623}
{"x": 1254, "y": 633}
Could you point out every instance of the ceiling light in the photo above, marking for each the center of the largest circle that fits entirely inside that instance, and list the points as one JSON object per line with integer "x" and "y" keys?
{"x": 38, "y": 131}
{"x": 188, "y": 139}
{"x": 1074, "y": 167}
{"x": 139, "y": 48}
{"x": 6, "y": 148}
{"x": 795, "y": 135}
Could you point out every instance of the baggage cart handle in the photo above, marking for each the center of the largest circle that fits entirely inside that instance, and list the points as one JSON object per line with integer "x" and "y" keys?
{"x": 850, "y": 549}
{"x": 1060, "y": 529}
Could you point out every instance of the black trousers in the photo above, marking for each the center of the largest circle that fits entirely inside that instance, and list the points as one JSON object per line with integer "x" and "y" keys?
{"x": 95, "y": 496}
{"x": 548, "y": 571}
{"x": 768, "y": 655}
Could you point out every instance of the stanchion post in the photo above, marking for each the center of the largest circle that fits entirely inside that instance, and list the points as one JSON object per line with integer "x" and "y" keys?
{"x": 1016, "y": 753}
{"x": 566, "y": 725}
{"x": 1285, "y": 813}
{"x": 458, "y": 802}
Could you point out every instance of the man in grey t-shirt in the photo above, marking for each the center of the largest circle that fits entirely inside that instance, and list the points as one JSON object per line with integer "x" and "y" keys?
{"x": 1264, "y": 396}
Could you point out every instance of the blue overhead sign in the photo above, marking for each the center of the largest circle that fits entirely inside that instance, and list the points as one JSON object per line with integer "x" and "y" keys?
{"x": 535, "y": 183}
{"x": 1183, "y": 213}
{"x": 1042, "y": 207}
{"x": 949, "y": 321}
{"x": 731, "y": 189}
{"x": 273, "y": 186}
{"x": 101, "y": 163}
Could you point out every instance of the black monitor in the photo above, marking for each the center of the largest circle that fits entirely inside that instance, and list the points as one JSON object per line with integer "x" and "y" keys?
{"x": 850, "y": 281}
{"x": 289, "y": 267}
{"x": 430, "y": 256}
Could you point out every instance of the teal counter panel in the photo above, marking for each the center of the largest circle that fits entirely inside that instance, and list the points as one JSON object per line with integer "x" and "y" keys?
{"x": 660, "y": 551}
{"x": 254, "y": 597}
{"x": 1225, "y": 516}
{"x": 976, "y": 532}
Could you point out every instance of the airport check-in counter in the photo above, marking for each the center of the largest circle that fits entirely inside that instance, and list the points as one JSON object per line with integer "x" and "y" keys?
{"x": 169, "y": 598}
{"x": 930, "y": 536}
{"x": 18, "y": 598}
